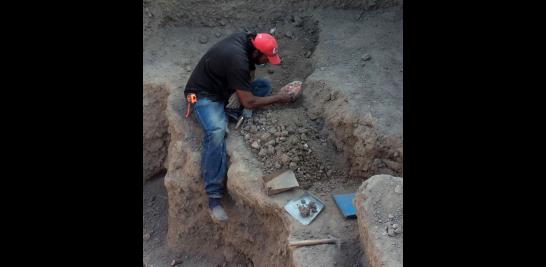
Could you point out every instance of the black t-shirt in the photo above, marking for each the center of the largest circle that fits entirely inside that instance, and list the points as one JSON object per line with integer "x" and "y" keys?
{"x": 225, "y": 67}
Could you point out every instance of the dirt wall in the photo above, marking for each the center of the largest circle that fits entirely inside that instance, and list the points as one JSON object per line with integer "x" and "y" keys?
{"x": 380, "y": 219}
{"x": 355, "y": 137}
{"x": 155, "y": 138}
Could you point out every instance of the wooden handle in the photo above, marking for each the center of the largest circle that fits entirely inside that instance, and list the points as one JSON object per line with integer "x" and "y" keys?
{"x": 311, "y": 242}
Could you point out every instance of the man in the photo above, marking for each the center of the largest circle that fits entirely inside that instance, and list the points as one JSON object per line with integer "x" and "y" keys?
{"x": 225, "y": 77}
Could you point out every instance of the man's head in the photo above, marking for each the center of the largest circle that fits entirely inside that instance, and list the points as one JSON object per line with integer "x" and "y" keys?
{"x": 266, "y": 49}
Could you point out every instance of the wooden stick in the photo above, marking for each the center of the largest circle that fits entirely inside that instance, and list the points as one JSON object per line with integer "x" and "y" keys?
{"x": 312, "y": 242}
{"x": 239, "y": 122}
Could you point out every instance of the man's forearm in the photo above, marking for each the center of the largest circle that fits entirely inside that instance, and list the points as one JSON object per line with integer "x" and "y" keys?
{"x": 248, "y": 100}
{"x": 258, "y": 102}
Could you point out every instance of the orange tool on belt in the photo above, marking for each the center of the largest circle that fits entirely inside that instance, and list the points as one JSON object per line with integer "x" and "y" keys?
{"x": 191, "y": 98}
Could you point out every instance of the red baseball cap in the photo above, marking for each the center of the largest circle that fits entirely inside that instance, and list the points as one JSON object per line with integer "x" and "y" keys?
{"x": 267, "y": 44}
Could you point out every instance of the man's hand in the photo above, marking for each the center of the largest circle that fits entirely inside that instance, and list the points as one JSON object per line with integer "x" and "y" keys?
{"x": 248, "y": 100}
{"x": 285, "y": 98}
{"x": 233, "y": 102}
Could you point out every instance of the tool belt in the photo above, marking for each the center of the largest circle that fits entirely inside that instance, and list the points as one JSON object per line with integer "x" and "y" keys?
{"x": 191, "y": 98}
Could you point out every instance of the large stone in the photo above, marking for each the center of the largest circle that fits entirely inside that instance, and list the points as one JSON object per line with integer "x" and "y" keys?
{"x": 154, "y": 128}
{"x": 378, "y": 198}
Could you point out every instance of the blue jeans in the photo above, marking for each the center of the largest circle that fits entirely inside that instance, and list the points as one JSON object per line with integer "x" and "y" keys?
{"x": 213, "y": 119}
{"x": 260, "y": 87}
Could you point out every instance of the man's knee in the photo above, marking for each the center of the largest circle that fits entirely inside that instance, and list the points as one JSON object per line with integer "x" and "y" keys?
{"x": 216, "y": 136}
{"x": 261, "y": 87}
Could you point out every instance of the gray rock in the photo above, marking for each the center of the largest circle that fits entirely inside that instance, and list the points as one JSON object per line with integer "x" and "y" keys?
{"x": 270, "y": 150}
{"x": 393, "y": 165}
{"x": 265, "y": 136}
{"x": 398, "y": 189}
{"x": 378, "y": 163}
{"x": 293, "y": 140}
{"x": 262, "y": 152}
{"x": 398, "y": 230}
{"x": 285, "y": 159}
{"x": 289, "y": 34}
{"x": 308, "y": 54}
{"x": 203, "y": 39}
{"x": 391, "y": 232}
{"x": 293, "y": 165}
{"x": 298, "y": 21}
{"x": 147, "y": 237}
{"x": 255, "y": 145}
{"x": 366, "y": 57}
{"x": 391, "y": 216}
{"x": 218, "y": 34}
{"x": 223, "y": 22}
{"x": 210, "y": 23}
{"x": 253, "y": 129}
{"x": 322, "y": 68}
{"x": 395, "y": 226}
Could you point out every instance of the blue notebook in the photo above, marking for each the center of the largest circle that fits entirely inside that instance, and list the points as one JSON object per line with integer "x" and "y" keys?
{"x": 345, "y": 204}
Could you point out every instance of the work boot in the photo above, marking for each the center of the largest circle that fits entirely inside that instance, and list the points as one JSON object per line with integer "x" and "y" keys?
{"x": 217, "y": 213}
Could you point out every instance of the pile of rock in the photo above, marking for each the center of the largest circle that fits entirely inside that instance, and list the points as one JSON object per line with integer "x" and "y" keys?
{"x": 285, "y": 145}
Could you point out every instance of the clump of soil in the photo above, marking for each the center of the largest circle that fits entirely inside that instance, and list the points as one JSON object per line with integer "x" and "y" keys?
{"x": 307, "y": 209}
